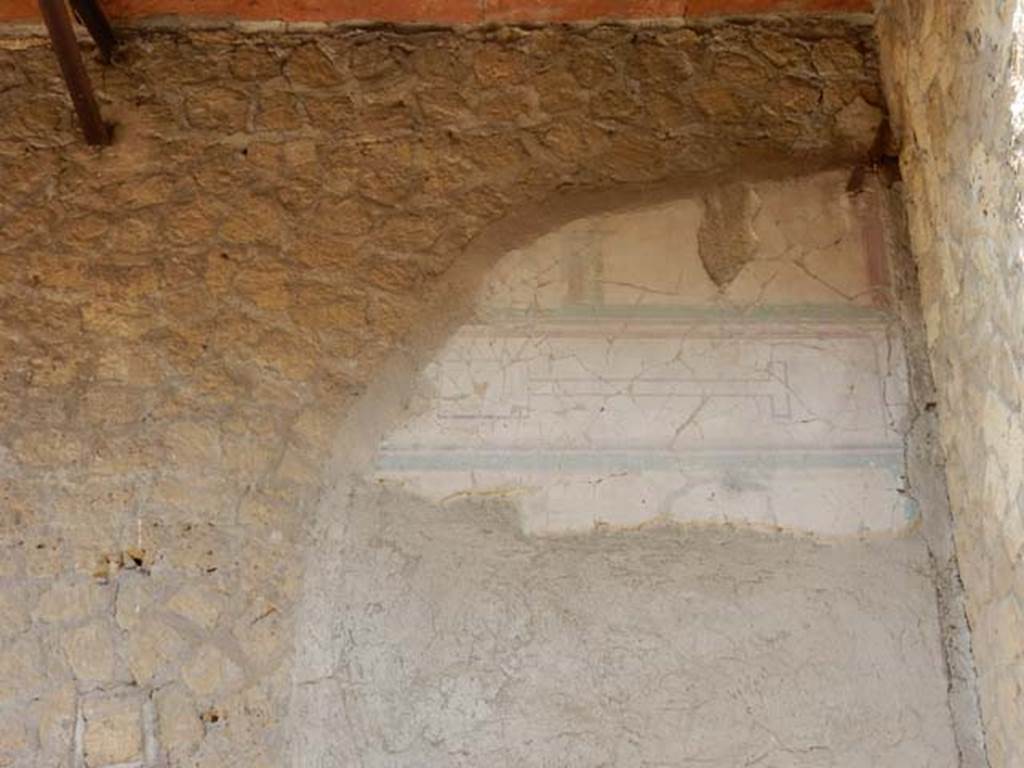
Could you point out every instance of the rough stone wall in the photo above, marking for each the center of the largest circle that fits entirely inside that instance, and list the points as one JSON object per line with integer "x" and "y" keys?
{"x": 185, "y": 316}
{"x": 951, "y": 71}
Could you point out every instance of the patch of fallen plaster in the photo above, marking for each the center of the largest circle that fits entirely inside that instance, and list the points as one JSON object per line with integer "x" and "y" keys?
{"x": 726, "y": 239}
{"x": 608, "y": 380}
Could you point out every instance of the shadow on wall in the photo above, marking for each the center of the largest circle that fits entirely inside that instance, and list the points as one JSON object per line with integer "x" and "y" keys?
{"x": 603, "y": 375}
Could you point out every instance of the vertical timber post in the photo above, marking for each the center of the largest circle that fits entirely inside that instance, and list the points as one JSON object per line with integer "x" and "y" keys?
{"x": 65, "y": 45}
{"x": 92, "y": 16}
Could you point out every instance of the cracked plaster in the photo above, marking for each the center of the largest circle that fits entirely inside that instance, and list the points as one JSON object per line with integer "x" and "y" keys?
{"x": 441, "y": 630}
{"x": 607, "y": 380}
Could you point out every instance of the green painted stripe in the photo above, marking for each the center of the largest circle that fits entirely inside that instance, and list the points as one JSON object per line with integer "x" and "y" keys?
{"x": 886, "y": 458}
{"x": 820, "y": 313}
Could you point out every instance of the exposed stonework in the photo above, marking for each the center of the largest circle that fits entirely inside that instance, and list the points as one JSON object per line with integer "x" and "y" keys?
{"x": 953, "y": 76}
{"x": 185, "y": 316}
{"x": 726, "y": 239}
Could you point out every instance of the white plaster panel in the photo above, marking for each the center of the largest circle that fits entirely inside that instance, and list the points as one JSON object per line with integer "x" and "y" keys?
{"x": 609, "y": 381}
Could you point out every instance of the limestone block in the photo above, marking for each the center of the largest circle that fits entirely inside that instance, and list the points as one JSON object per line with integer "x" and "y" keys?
{"x": 22, "y": 672}
{"x": 179, "y": 726}
{"x": 260, "y": 632}
{"x": 1005, "y": 625}
{"x": 45, "y": 559}
{"x": 309, "y": 66}
{"x": 222, "y": 108}
{"x": 211, "y": 671}
{"x": 833, "y": 57}
{"x": 153, "y": 646}
{"x": 15, "y": 740}
{"x": 134, "y": 596}
{"x": 113, "y": 730}
{"x": 266, "y": 288}
{"x": 197, "y": 603}
{"x": 256, "y": 221}
{"x": 255, "y": 64}
{"x": 90, "y": 651}
{"x": 54, "y": 713}
{"x": 14, "y": 616}
{"x": 192, "y": 444}
{"x": 47, "y": 447}
{"x": 857, "y": 120}
{"x": 70, "y": 601}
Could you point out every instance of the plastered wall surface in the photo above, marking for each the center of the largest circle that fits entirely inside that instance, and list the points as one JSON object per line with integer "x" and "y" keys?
{"x": 729, "y": 357}
{"x": 441, "y": 636}
{"x": 952, "y": 72}
{"x": 186, "y": 316}
{"x": 496, "y": 616}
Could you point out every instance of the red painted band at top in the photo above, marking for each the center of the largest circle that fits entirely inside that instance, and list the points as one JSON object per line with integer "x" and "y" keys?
{"x": 441, "y": 11}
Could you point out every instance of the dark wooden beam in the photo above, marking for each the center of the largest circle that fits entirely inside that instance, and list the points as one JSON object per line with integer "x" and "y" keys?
{"x": 91, "y": 15}
{"x": 65, "y": 46}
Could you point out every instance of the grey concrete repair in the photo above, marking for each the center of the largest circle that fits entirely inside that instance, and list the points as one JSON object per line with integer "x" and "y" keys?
{"x": 444, "y": 633}
{"x": 455, "y": 641}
